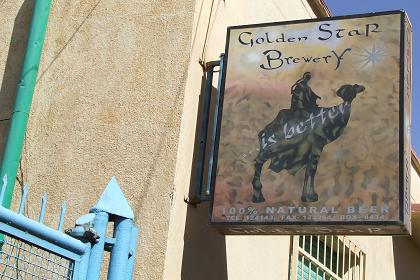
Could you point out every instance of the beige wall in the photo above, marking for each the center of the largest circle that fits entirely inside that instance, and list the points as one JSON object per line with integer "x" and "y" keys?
{"x": 258, "y": 257}
{"x": 117, "y": 94}
{"x": 114, "y": 81}
{"x": 248, "y": 257}
{"x": 108, "y": 102}
{"x": 379, "y": 256}
{"x": 415, "y": 186}
{"x": 205, "y": 239}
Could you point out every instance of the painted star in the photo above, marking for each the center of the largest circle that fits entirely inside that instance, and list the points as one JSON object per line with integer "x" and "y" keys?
{"x": 372, "y": 56}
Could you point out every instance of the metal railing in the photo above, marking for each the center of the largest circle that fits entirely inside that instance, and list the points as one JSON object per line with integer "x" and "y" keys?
{"x": 23, "y": 260}
{"x": 326, "y": 258}
{"x": 31, "y": 250}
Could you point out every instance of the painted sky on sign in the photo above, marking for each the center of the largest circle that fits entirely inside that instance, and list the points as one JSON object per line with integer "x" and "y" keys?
{"x": 412, "y": 8}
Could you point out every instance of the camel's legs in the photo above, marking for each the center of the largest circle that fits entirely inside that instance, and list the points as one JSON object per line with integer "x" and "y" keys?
{"x": 305, "y": 181}
{"x": 257, "y": 195}
{"x": 308, "y": 192}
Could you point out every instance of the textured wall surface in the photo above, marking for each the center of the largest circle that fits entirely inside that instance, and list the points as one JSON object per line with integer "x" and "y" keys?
{"x": 195, "y": 250}
{"x": 380, "y": 254}
{"x": 108, "y": 102}
{"x": 265, "y": 255}
{"x": 415, "y": 189}
{"x": 117, "y": 94}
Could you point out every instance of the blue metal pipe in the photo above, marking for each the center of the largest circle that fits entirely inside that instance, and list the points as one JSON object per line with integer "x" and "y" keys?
{"x": 96, "y": 253}
{"x": 43, "y": 206}
{"x": 62, "y": 213}
{"x": 118, "y": 264}
{"x": 23, "y": 199}
{"x": 41, "y": 231}
{"x": 133, "y": 250}
{"x": 84, "y": 264}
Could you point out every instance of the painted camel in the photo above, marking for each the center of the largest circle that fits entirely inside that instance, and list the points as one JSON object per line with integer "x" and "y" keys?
{"x": 296, "y": 138}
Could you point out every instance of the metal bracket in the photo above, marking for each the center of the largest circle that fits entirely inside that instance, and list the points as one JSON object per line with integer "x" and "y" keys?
{"x": 84, "y": 229}
{"x": 109, "y": 243}
{"x": 204, "y": 194}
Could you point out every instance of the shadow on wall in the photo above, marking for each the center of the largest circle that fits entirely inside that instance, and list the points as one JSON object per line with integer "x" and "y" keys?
{"x": 204, "y": 255}
{"x": 204, "y": 248}
{"x": 406, "y": 258}
{"x": 13, "y": 66}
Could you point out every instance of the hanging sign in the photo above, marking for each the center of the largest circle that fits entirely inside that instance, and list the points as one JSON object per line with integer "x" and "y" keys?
{"x": 314, "y": 134}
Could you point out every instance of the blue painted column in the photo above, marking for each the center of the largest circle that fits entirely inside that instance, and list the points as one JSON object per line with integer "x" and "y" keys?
{"x": 96, "y": 253}
{"x": 118, "y": 264}
{"x": 112, "y": 203}
{"x": 84, "y": 264}
{"x": 133, "y": 250}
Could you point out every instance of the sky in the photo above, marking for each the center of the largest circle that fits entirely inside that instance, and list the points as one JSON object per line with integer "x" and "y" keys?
{"x": 412, "y": 8}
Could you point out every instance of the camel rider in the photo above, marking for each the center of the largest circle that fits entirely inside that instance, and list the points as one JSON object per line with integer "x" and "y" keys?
{"x": 303, "y": 97}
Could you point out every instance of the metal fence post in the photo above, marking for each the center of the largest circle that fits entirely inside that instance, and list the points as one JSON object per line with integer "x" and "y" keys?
{"x": 32, "y": 249}
{"x": 118, "y": 264}
{"x": 84, "y": 264}
{"x": 96, "y": 253}
{"x": 114, "y": 206}
{"x": 133, "y": 247}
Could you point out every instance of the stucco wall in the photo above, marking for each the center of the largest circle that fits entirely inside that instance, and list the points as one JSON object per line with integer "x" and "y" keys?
{"x": 379, "y": 256}
{"x": 117, "y": 94}
{"x": 247, "y": 257}
{"x": 108, "y": 101}
{"x": 415, "y": 186}
{"x": 258, "y": 257}
{"x": 190, "y": 238}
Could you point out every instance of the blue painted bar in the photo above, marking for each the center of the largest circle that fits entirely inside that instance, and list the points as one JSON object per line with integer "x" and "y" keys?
{"x": 110, "y": 240}
{"x": 23, "y": 199}
{"x": 41, "y": 242}
{"x": 109, "y": 243}
{"x": 43, "y": 206}
{"x": 81, "y": 269}
{"x": 87, "y": 258}
{"x": 133, "y": 251}
{"x": 41, "y": 231}
{"x": 62, "y": 213}
{"x": 96, "y": 253}
{"x": 118, "y": 265}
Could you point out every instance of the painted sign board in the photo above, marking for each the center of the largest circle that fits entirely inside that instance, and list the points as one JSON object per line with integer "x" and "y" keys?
{"x": 314, "y": 131}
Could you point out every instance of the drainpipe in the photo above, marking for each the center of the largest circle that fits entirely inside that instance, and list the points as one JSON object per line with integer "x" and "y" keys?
{"x": 13, "y": 149}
